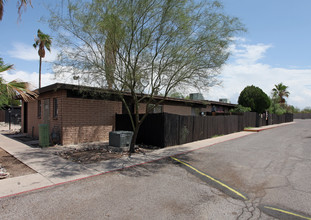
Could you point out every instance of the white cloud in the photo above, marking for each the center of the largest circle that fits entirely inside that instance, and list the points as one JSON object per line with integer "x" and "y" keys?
{"x": 248, "y": 54}
{"x": 28, "y": 52}
{"x": 246, "y": 69}
{"x": 33, "y": 78}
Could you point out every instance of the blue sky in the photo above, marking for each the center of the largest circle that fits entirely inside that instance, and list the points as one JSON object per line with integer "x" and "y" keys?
{"x": 276, "y": 48}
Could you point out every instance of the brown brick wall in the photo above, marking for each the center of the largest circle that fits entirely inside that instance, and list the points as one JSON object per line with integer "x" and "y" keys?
{"x": 173, "y": 109}
{"x": 207, "y": 109}
{"x": 82, "y": 120}
{"x": 33, "y": 119}
{"x": 142, "y": 108}
{"x": 78, "y": 121}
{"x": 87, "y": 120}
{"x": 179, "y": 110}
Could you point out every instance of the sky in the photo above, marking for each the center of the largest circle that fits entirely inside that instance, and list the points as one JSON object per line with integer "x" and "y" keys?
{"x": 275, "y": 49}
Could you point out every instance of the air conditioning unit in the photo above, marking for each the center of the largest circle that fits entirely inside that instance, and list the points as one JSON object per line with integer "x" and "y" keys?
{"x": 224, "y": 100}
{"x": 196, "y": 96}
{"x": 120, "y": 138}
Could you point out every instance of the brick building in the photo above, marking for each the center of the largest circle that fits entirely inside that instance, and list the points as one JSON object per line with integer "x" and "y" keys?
{"x": 77, "y": 114}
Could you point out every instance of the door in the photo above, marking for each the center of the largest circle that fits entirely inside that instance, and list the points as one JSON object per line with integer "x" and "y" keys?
{"x": 25, "y": 117}
{"x": 46, "y": 111}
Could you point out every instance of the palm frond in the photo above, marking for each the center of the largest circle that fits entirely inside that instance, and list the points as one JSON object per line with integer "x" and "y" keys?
{"x": 4, "y": 68}
{"x": 1, "y": 9}
{"x": 15, "y": 88}
{"x": 23, "y": 4}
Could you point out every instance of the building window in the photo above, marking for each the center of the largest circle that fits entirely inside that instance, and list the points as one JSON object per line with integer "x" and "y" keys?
{"x": 55, "y": 108}
{"x": 39, "y": 108}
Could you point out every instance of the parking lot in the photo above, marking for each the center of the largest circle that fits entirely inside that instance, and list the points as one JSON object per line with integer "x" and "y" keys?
{"x": 265, "y": 175}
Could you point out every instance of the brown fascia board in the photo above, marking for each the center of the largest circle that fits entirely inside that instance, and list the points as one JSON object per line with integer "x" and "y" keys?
{"x": 62, "y": 86}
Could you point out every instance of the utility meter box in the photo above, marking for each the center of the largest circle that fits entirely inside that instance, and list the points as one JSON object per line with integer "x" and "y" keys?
{"x": 44, "y": 137}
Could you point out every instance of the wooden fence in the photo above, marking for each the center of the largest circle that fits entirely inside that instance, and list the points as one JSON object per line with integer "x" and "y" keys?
{"x": 2, "y": 115}
{"x": 14, "y": 117}
{"x": 165, "y": 129}
{"x": 302, "y": 116}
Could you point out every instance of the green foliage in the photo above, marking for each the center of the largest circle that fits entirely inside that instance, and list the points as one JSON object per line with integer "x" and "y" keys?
{"x": 240, "y": 109}
{"x": 157, "y": 45}
{"x": 292, "y": 109}
{"x": 276, "y": 108}
{"x": 4, "y": 67}
{"x": 144, "y": 46}
{"x": 6, "y": 99}
{"x": 8, "y": 90}
{"x": 42, "y": 41}
{"x": 254, "y": 98}
{"x": 279, "y": 92}
{"x": 306, "y": 110}
{"x": 176, "y": 95}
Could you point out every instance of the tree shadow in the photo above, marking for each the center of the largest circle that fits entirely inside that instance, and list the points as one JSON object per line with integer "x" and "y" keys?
{"x": 22, "y": 138}
{"x": 51, "y": 165}
{"x": 151, "y": 167}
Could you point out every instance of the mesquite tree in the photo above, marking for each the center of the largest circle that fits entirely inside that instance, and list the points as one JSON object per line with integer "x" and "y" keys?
{"x": 143, "y": 47}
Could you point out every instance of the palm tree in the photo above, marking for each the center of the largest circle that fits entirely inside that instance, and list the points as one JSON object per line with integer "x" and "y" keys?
{"x": 4, "y": 67}
{"x": 43, "y": 41}
{"x": 20, "y": 3}
{"x": 15, "y": 87}
{"x": 279, "y": 92}
{"x": 111, "y": 26}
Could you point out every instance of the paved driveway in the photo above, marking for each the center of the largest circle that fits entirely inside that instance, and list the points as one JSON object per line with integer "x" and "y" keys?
{"x": 273, "y": 167}
{"x": 270, "y": 168}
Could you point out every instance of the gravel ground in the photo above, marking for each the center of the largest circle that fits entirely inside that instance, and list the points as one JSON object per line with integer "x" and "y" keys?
{"x": 13, "y": 166}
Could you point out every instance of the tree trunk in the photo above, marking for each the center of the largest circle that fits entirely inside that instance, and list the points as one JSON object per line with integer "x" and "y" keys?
{"x": 133, "y": 141}
{"x": 40, "y": 61}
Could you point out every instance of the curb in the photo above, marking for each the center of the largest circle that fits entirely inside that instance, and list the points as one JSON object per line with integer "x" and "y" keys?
{"x": 267, "y": 128}
{"x": 122, "y": 168}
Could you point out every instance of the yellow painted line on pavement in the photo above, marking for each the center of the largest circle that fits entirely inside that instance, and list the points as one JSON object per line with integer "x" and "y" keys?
{"x": 211, "y": 178}
{"x": 287, "y": 212}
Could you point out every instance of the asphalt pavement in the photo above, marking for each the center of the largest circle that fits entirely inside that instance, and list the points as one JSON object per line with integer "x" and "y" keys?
{"x": 270, "y": 168}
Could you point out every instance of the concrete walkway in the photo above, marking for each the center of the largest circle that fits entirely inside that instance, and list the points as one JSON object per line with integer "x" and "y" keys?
{"x": 53, "y": 170}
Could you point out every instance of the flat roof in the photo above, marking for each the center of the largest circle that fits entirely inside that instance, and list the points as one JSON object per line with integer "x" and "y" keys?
{"x": 72, "y": 87}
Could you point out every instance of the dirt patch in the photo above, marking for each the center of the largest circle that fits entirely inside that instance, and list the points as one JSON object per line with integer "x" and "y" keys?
{"x": 13, "y": 166}
{"x": 93, "y": 153}
{"x": 87, "y": 156}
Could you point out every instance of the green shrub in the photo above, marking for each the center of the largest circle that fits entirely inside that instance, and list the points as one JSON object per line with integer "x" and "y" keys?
{"x": 240, "y": 109}
{"x": 254, "y": 98}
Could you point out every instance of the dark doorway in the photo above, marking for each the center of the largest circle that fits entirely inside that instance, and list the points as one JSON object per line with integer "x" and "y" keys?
{"x": 130, "y": 106}
{"x": 25, "y": 117}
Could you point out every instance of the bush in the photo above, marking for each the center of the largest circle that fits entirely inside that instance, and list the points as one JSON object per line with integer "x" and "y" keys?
{"x": 240, "y": 109}
{"x": 254, "y": 98}
{"x": 276, "y": 108}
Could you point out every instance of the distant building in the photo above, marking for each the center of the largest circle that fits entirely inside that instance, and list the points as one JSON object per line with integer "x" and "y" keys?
{"x": 224, "y": 100}
{"x": 196, "y": 96}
